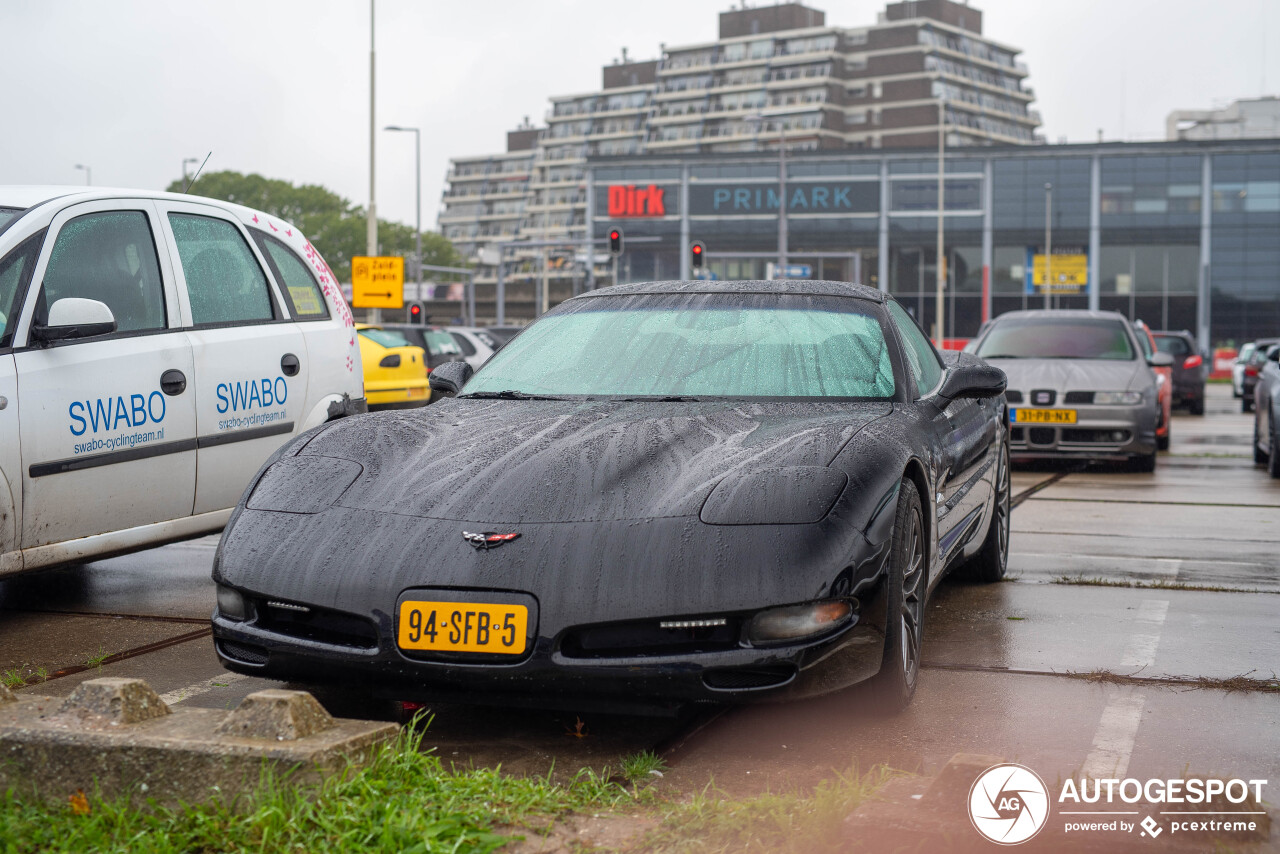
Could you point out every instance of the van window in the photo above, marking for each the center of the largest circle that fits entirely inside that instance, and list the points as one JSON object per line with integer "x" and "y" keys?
{"x": 301, "y": 288}
{"x": 224, "y": 281}
{"x": 109, "y": 257}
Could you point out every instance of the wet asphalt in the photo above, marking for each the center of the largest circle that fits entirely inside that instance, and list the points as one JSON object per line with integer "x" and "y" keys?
{"x": 1005, "y": 665}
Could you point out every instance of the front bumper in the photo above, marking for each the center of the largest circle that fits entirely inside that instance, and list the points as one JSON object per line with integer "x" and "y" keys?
{"x": 1100, "y": 432}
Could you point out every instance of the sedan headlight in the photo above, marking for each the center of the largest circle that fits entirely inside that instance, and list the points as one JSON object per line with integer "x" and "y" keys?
{"x": 232, "y": 604}
{"x": 1125, "y": 398}
{"x": 795, "y": 622}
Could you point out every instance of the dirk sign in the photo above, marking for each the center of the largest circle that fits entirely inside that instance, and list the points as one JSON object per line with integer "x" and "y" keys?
{"x": 628, "y": 200}
{"x": 377, "y": 282}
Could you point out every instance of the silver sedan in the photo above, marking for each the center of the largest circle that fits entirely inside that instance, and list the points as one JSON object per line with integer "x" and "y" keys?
{"x": 1079, "y": 386}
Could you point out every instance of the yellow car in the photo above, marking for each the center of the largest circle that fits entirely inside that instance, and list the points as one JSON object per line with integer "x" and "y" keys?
{"x": 395, "y": 372}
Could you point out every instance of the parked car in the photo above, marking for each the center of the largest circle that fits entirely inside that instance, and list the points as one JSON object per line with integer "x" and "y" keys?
{"x": 1237, "y": 369}
{"x": 1164, "y": 385}
{"x": 1079, "y": 386}
{"x": 395, "y": 371}
{"x": 1251, "y": 369}
{"x": 436, "y": 341}
{"x": 1266, "y": 418}
{"x": 502, "y": 334}
{"x": 476, "y": 344}
{"x": 1190, "y": 368}
{"x": 658, "y": 493}
{"x": 156, "y": 349}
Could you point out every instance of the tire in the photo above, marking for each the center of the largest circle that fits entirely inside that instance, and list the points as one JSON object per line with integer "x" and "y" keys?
{"x": 1246, "y": 404}
{"x": 1144, "y": 464}
{"x": 1162, "y": 442}
{"x": 1259, "y": 458}
{"x": 989, "y": 564}
{"x": 893, "y": 687}
{"x": 1273, "y": 458}
{"x": 1197, "y": 405}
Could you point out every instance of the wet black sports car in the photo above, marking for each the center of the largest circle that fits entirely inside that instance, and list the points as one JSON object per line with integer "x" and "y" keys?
{"x": 656, "y": 494}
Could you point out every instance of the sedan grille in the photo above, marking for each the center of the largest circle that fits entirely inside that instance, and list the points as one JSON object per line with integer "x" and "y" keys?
{"x": 648, "y": 638}
{"x": 316, "y": 624}
{"x": 1078, "y": 397}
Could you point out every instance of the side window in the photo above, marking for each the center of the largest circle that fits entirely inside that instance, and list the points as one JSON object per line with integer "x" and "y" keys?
{"x": 921, "y": 356}
{"x": 109, "y": 257}
{"x": 301, "y": 288}
{"x": 468, "y": 349}
{"x": 15, "y": 276}
{"x": 224, "y": 281}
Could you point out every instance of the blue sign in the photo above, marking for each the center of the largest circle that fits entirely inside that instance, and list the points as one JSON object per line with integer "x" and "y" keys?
{"x": 796, "y": 271}
{"x": 746, "y": 199}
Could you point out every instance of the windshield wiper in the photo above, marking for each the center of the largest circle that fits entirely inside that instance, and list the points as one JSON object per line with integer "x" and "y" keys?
{"x": 1000, "y": 356}
{"x": 664, "y": 398}
{"x": 508, "y": 394}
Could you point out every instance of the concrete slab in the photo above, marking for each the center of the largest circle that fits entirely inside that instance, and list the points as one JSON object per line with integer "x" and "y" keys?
{"x": 118, "y": 737}
{"x": 30, "y": 641}
{"x": 1040, "y": 627}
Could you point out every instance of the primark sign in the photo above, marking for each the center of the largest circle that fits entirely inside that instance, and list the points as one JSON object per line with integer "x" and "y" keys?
{"x": 819, "y": 197}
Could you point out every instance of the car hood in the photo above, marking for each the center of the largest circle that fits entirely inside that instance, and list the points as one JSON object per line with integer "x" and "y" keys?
{"x": 1074, "y": 374}
{"x": 508, "y": 462}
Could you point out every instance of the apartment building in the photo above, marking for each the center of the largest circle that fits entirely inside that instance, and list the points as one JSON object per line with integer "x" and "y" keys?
{"x": 778, "y": 75}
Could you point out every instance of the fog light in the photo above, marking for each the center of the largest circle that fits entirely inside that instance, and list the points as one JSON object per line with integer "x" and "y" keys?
{"x": 232, "y": 605}
{"x": 798, "y": 621}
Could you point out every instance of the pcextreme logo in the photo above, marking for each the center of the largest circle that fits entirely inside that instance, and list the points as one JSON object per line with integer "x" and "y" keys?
{"x": 1008, "y": 804}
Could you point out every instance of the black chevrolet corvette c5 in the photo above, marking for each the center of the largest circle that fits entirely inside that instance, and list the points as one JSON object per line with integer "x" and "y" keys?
{"x": 656, "y": 494}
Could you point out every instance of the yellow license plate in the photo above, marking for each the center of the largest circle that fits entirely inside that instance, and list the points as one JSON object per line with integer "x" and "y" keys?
{"x": 463, "y": 627}
{"x": 1043, "y": 416}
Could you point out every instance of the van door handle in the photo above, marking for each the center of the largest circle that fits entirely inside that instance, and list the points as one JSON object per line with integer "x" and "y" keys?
{"x": 290, "y": 365}
{"x": 173, "y": 382}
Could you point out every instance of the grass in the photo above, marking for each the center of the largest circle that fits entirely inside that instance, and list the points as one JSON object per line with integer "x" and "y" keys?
{"x": 642, "y": 767}
{"x": 95, "y": 660}
{"x": 13, "y": 679}
{"x": 1244, "y": 682}
{"x": 1160, "y": 584}
{"x": 791, "y": 822}
{"x": 404, "y": 801}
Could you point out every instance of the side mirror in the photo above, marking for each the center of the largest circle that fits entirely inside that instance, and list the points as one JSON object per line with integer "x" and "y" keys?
{"x": 448, "y": 379}
{"x": 1160, "y": 360}
{"x": 972, "y": 381}
{"x": 71, "y": 317}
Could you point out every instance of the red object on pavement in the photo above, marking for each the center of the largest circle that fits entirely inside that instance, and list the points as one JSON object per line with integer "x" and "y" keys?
{"x": 954, "y": 343}
{"x": 1222, "y": 359}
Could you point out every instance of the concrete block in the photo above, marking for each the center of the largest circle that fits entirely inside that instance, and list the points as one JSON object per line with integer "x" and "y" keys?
{"x": 276, "y": 715}
{"x": 7, "y": 696}
{"x": 116, "y": 736}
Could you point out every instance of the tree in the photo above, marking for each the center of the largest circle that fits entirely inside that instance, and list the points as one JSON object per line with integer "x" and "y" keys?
{"x": 335, "y": 226}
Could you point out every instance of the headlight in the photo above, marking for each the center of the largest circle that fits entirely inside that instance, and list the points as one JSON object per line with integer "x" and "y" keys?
{"x": 794, "y": 622}
{"x": 232, "y": 605}
{"x": 1126, "y": 398}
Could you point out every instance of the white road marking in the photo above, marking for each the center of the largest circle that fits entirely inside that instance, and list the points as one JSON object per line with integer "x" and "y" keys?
{"x": 1141, "y": 650}
{"x": 174, "y": 697}
{"x": 1118, "y": 730}
{"x": 1113, "y": 742}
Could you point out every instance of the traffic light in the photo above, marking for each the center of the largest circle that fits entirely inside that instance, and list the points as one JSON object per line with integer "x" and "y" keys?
{"x": 416, "y": 315}
{"x": 696, "y": 253}
{"x": 615, "y": 242}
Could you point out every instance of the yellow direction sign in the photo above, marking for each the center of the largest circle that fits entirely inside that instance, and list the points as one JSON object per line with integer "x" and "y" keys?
{"x": 1067, "y": 273}
{"x": 377, "y": 282}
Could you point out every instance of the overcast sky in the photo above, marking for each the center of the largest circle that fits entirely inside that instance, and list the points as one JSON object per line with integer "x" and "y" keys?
{"x": 281, "y": 87}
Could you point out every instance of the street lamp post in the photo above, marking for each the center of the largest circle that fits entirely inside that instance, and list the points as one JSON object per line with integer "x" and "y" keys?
{"x": 941, "y": 279}
{"x": 1048, "y": 242}
{"x": 88, "y": 174}
{"x": 417, "y": 183}
{"x": 185, "y": 161}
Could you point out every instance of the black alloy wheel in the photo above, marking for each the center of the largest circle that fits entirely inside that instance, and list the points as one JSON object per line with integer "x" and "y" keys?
{"x": 1273, "y": 458}
{"x": 1259, "y": 458}
{"x": 895, "y": 684}
{"x": 992, "y": 560}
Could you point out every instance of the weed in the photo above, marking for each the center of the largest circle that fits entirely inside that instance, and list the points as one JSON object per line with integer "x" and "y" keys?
{"x": 1160, "y": 584}
{"x": 97, "y": 658}
{"x": 12, "y": 679}
{"x": 642, "y": 766}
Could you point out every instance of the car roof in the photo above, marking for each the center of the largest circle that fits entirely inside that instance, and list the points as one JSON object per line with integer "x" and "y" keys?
{"x": 1065, "y": 313}
{"x": 808, "y": 287}
{"x": 29, "y": 195}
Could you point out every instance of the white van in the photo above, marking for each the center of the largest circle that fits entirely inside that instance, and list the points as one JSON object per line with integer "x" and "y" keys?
{"x": 155, "y": 349}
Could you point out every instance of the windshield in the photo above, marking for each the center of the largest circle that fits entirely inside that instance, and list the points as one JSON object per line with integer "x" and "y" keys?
{"x": 698, "y": 345}
{"x": 385, "y": 337}
{"x": 1172, "y": 345}
{"x": 7, "y": 214}
{"x": 1057, "y": 338}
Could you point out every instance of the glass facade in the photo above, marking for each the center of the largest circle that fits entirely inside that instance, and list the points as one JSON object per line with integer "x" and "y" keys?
{"x": 1157, "y": 225}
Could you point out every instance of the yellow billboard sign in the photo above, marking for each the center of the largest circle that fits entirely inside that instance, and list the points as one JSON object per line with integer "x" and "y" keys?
{"x": 1068, "y": 273}
{"x": 377, "y": 282}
